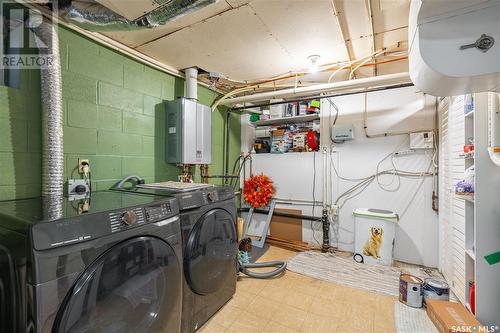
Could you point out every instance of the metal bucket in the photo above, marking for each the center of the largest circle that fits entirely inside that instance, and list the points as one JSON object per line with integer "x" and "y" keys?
{"x": 436, "y": 289}
{"x": 410, "y": 290}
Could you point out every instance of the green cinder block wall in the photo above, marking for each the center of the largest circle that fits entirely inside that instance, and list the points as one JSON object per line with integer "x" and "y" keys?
{"x": 112, "y": 116}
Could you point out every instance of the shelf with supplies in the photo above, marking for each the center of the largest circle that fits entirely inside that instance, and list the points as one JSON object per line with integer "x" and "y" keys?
{"x": 287, "y": 120}
{"x": 465, "y": 197}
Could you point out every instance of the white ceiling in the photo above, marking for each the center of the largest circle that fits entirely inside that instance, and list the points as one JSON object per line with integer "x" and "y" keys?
{"x": 249, "y": 40}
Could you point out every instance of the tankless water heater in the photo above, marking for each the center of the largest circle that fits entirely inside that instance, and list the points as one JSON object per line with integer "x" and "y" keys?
{"x": 189, "y": 132}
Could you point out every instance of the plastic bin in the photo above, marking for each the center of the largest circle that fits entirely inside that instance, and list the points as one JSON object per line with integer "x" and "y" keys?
{"x": 374, "y": 231}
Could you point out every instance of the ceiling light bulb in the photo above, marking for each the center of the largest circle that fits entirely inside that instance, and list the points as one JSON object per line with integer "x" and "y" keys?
{"x": 314, "y": 67}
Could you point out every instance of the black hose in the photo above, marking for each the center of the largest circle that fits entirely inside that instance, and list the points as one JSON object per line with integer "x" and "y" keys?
{"x": 281, "y": 266}
{"x": 283, "y": 214}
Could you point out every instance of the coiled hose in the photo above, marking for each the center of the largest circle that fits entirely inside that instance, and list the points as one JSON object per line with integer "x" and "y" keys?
{"x": 244, "y": 268}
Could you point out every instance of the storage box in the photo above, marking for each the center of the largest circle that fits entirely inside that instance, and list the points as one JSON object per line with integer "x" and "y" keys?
{"x": 281, "y": 141}
{"x": 451, "y": 317}
{"x": 277, "y": 111}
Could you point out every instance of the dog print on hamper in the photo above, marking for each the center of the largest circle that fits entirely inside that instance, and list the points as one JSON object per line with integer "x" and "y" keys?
{"x": 373, "y": 244}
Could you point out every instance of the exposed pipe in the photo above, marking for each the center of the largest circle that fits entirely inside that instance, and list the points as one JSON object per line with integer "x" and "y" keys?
{"x": 372, "y": 30}
{"x": 204, "y": 173}
{"x": 52, "y": 120}
{"x": 309, "y": 98}
{"x": 282, "y": 214}
{"x": 191, "y": 83}
{"x": 342, "y": 31}
{"x": 382, "y": 80}
{"x": 384, "y": 134}
{"x": 226, "y": 146}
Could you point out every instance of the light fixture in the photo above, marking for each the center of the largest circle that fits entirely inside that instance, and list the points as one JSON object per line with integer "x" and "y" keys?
{"x": 314, "y": 67}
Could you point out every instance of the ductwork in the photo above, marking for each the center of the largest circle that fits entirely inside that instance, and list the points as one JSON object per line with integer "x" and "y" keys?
{"x": 52, "y": 122}
{"x": 93, "y": 16}
{"x": 191, "y": 83}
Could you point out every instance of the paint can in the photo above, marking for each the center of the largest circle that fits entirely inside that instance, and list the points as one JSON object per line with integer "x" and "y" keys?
{"x": 436, "y": 289}
{"x": 410, "y": 290}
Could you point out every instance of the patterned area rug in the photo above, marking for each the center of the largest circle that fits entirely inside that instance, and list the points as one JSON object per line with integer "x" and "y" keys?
{"x": 411, "y": 320}
{"x": 345, "y": 271}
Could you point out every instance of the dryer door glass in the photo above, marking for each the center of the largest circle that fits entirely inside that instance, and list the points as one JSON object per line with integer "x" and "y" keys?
{"x": 133, "y": 287}
{"x": 211, "y": 250}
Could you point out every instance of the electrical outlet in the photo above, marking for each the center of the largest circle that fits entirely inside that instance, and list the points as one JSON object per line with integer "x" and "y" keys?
{"x": 404, "y": 152}
{"x": 334, "y": 210}
{"x": 78, "y": 188}
{"x": 81, "y": 165}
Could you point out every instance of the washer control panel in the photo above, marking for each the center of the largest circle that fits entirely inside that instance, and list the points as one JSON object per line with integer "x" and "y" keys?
{"x": 158, "y": 212}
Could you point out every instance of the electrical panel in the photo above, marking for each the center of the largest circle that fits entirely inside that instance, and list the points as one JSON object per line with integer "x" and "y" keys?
{"x": 342, "y": 133}
{"x": 422, "y": 140}
{"x": 189, "y": 132}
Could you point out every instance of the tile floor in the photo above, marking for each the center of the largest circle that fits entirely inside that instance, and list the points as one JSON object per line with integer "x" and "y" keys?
{"x": 297, "y": 303}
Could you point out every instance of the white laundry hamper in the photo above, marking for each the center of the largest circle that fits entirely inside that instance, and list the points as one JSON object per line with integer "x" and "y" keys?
{"x": 374, "y": 231}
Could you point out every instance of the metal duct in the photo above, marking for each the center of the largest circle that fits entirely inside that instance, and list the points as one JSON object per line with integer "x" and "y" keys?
{"x": 93, "y": 16}
{"x": 52, "y": 122}
{"x": 191, "y": 83}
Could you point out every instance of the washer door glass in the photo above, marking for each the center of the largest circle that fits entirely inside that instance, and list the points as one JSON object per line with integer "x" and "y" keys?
{"x": 133, "y": 287}
{"x": 211, "y": 252}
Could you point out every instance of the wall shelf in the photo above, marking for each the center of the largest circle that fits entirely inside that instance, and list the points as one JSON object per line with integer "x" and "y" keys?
{"x": 287, "y": 120}
{"x": 471, "y": 254}
{"x": 469, "y": 114}
{"x": 466, "y": 197}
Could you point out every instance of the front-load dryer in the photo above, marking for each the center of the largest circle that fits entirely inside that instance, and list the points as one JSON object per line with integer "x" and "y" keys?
{"x": 110, "y": 263}
{"x": 210, "y": 245}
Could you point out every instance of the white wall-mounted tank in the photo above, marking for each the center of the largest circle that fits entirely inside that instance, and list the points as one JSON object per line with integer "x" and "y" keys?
{"x": 189, "y": 132}
{"x": 438, "y": 30}
{"x": 189, "y": 126}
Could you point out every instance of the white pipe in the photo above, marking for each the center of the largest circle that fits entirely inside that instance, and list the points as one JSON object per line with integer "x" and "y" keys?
{"x": 325, "y": 176}
{"x": 370, "y": 82}
{"x": 191, "y": 83}
{"x": 494, "y": 127}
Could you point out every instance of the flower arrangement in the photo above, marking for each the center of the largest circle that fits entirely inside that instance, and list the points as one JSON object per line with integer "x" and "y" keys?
{"x": 258, "y": 190}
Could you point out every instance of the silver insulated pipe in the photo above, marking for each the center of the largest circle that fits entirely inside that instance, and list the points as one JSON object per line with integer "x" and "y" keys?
{"x": 52, "y": 121}
{"x": 93, "y": 16}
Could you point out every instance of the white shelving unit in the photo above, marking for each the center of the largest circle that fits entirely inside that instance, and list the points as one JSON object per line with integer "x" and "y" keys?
{"x": 470, "y": 248}
{"x": 482, "y": 224}
{"x": 484, "y": 233}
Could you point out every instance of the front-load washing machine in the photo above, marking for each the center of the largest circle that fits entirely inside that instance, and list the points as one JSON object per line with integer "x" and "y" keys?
{"x": 109, "y": 263}
{"x": 209, "y": 238}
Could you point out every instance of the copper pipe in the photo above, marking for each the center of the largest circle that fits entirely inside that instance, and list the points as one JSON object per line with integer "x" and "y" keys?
{"x": 187, "y": 175}
{"x": 204, "y": 173}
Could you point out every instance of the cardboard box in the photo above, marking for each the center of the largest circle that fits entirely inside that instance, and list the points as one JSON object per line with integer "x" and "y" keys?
{"x": 277, "y": 111}
{"x": 286, "y": 228}
{"x": 450, "y": 317}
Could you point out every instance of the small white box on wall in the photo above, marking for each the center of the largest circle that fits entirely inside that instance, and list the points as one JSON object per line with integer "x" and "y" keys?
{"x": 422, "y": 140}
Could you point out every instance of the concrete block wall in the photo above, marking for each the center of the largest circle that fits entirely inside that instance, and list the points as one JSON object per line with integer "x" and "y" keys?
{"x": 20, "y": 125}
{"x": 112, "y": 116}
